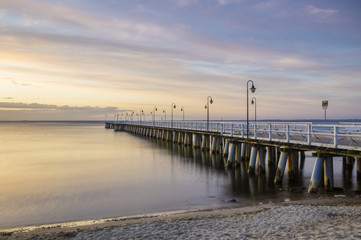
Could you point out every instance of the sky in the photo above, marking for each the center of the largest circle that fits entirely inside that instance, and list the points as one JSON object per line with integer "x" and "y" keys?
{"x": 91, "y": 59}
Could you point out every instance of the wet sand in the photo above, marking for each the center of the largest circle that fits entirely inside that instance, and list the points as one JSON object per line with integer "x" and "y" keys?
{"x": 316, "y": 217}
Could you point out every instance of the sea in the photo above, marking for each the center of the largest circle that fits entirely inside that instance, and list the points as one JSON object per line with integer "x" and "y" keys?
{"x": 55, "y": 172}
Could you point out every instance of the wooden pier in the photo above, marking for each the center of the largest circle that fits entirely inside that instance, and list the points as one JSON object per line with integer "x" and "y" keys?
{"x": 277, "y": 143}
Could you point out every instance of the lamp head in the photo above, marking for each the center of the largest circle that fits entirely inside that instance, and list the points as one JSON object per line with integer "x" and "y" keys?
{"x": 253, "y": 89}
{"x": 252, "y": 102}
{"x": 174, "y": 106}
{"x": 155, "y": 109}
{"x": 211, "y": 101}
{"x": 205, "y": 106}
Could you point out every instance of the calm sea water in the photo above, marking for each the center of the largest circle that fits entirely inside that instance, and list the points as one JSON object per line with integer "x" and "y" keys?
{"x": 54, "y": 172}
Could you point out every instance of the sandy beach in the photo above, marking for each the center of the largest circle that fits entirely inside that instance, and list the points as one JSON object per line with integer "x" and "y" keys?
{"x": 322, "y": 217}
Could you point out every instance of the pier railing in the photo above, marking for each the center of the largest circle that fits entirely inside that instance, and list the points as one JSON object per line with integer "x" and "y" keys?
{"x": 345, "y": 136}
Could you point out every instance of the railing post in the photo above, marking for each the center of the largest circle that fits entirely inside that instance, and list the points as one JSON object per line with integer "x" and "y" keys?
{"x": 242, "y": 126}
{"x": 335, "y": 136}
{"x": 288, "y": 133}
{"x": 255, "y": 131}
{"x": 270, "y": 132}
{"x": 309, "y": 134}
{"x": 232, "y": 130}
{"x": 222, "y": 128}
{"x": 217, "y": 127}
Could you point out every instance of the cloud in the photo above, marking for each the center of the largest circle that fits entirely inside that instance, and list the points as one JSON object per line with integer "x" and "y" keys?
{"x": 7, "y": 97}
{"x": 319, "y": 11}
{"x": 38, "y": 111}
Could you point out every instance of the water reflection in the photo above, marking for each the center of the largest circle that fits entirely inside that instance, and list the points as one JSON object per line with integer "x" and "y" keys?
{"x": 242, "y": 184}
{"x": 55, "y": 172}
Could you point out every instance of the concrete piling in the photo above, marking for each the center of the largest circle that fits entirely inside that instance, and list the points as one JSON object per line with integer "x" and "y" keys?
{"x": 281, "y": 167}
{"x": 358, "y": 168}
{"x": 292, "y": 163}
{"x": 328, "y": 173}
{"x": 316, "y": 175}
{"x": 226, "y": 147}
{"x": 196, "y": 140}
{"x": 205, "y": 142}
{"x": 237, "y": 157}
{"x": 262, "y": 159}
{"x": 231, "y": 152}
{"x": 252, "y": 163}
{"x": 270, "y": 158}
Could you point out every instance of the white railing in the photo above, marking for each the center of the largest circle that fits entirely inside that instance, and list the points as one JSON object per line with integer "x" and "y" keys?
{"x": 345, "y": 136}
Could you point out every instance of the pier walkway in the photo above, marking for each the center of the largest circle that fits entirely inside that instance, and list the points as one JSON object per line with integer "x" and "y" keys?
{"x": 277, "y": 142}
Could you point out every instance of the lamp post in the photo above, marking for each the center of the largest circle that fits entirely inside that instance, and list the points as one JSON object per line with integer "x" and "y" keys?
{"x": 209, "y": 100}
{"x": 105, "y": 117}
{"x": 173, "y": 106}
{"x": 126, "y": 117}
{"x": 121, "y": 117}
{"x": 182, "y": 109}
{"x": 154, "y": 110}
{"x": 324, "y": 106}
{"x": 132, "y": 114}
{"x": 140, "y": 115}
{"x": 253, "y": 89}
{"x": 165, "y": 114}
{"x": 255, "y": 109}
{"x": 117, "y": 117}
{"x": 114, "y": 117}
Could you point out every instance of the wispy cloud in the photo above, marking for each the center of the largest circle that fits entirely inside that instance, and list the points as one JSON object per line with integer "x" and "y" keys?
{"x": 319, "y": 11}
{"x": 38, "y": 111}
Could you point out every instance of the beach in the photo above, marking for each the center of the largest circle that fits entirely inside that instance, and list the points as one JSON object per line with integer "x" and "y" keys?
{"x": 317, "y": 217}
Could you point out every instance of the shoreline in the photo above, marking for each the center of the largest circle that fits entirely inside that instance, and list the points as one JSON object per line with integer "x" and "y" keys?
{"x": 318, "y": 217}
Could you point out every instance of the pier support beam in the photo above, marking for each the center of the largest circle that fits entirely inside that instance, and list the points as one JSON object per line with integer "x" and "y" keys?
{"x": 270, "y": 155}
{"x": 281, "y": 167}
{"x": 237, "y": 156}
{"x": 226, "y": 147}
{"x": 243, "y": 151}
{"x": 231, "y": 152}
{"x": 180, "y": 137}
{"x": 174, "y": 136}
{"x": 358, "y": 168}
{"x": 205, "y": 142}
{"x": 316, "y": 175}
{"x": 262, "y": 159}
{"x": 214, "y": 144}
{"x": 292, "y": 165}
{"x": 328, "y": 173}
{"x": 252, "y": 163}
{"x": 196, "y": 140}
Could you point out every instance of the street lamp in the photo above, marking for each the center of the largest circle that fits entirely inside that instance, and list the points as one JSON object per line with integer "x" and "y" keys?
{"x": 209, "y": 100}
{"x": 255, "y": 110}
{"x": 121, "y": 117}
{"x": 126, "y": 117}
{"x": 253, "y": 89}
{"x": 132, "y": 116}
{"x": 140, "y": 115}
{"x": 117, "y": 117}
{"x": 165, "y": 114}
{"x": 173, "y": 106}
{"x": 182, "y": 109}
{"x": 154, "y": 110}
